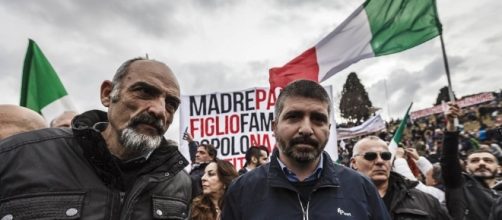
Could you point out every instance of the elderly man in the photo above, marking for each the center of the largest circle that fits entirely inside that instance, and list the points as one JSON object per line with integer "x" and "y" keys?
{"x": 371, "y": 157}
{"x": 110, "y": 165}
{"x": 468, "y": 195}
{"x": 16, "y": 119}
{"x": 301, "y": 181}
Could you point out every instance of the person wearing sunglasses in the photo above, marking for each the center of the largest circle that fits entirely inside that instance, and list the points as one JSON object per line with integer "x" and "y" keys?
{"x": 372, "y": 158}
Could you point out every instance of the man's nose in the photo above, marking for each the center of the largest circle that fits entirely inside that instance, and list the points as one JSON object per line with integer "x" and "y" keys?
{"x": 305, "y": 128}
{"x": 379, "y": 159}
{"x": 157, "y": 108}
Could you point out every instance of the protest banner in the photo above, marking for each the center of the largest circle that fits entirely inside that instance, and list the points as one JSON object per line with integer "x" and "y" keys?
{"x": 231, "y": 121}
{"x": 465, "y": 102}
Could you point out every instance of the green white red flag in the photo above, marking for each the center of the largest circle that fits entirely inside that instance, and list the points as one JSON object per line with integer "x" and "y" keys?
{"x": 41, "y": 89}
{"x": 376, "y": 28}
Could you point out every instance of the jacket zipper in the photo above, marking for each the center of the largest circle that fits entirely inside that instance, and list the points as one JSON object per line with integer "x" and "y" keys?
{"x": 305, "y": 211}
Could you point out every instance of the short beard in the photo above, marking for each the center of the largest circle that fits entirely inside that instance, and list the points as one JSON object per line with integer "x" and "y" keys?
{"x": 136, "y": 144}
{"x": 484, "y": 177}
{"x": 302, "y": 157}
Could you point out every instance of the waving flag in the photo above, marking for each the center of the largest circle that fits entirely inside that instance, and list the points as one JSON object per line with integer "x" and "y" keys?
{"x": 41, "y": 89}
{"x": 376, "y": 28}
{"x": 398, "y": 135}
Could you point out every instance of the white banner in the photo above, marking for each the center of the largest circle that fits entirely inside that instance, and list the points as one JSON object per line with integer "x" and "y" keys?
{"x": 232, "y": 122}
{"x": 373, "y": 124}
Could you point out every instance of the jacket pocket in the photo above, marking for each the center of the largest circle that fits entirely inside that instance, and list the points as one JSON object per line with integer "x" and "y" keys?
{"x": 169, "y": 208}
{"x": 54, "y": 205}
{"x": 410, "y": 213}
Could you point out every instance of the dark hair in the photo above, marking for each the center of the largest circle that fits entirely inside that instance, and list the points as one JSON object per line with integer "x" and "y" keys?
{"x": 302, "y": 88}
{"x": 469, "y": 153}
{"x": 211, "y": 150}
{"x": 202, "y": 206}
{"x": 255, "y": 151}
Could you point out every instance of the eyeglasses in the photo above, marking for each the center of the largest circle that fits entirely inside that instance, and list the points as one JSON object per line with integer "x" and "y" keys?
{"x": 371, "y": 156}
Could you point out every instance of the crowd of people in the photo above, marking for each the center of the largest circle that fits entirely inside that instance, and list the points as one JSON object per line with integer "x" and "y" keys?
{"x": 118, "y": 165}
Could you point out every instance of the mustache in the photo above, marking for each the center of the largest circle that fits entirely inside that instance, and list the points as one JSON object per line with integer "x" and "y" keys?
{"x": 304, "y": 140}
{"x": 149, "y": 120}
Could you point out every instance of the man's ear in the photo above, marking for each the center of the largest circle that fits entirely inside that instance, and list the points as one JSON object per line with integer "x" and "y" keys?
{"x": 106, "y": 89}
{"x": 353, "y": 164}
{"x": 274, "y": 125}
{"x": 254, "y": 160}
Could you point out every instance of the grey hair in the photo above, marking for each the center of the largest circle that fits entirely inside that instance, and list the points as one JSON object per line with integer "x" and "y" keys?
{"x": 357, "y": 146}
{"x": 119, "y": 75}
{"x": 302, "y": 88}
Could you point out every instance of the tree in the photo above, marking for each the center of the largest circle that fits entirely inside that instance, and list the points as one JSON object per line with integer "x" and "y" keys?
{"x": 444, "y": 96}
{"x": 355, "y": 104}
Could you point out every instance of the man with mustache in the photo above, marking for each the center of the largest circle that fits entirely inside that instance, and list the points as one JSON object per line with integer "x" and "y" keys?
{"x": 108, "y": 165}
{"x": 469, "y": 195}
{"x": 372, "y": 158}
{"x": 301, "y": 181}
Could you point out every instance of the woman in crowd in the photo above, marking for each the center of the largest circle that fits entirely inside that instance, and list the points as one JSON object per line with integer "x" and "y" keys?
{"x": 217, "y": 176}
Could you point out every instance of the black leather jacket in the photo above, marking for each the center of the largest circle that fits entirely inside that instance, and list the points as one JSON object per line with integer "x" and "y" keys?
{"x": 70, "y": 174}
{"x": 466, "y": 197}
{"x": 410, "y": 203}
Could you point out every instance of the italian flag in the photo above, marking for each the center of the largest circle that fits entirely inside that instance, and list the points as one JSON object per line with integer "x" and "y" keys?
{"x": 41, "y": 89}
{"x": 398, "y": 135}
{"x": 376, "y": 28}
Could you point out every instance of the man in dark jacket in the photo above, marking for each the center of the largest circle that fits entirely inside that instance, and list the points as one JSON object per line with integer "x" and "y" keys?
{"x": 469, "y": 195}
{"x": 109, "y": 165}
{"x": 301, "y": 181}
{"x": 255, "y": 157}
{"x": 205, "y": 154}
{"x": 371, "y": 157}
{"x": 496, "y": 212}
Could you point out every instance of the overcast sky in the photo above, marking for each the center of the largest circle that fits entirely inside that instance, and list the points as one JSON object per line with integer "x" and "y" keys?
{"x": 222, "y": 46}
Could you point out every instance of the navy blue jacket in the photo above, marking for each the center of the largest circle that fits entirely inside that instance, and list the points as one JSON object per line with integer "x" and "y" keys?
{"x": 265, "y": 193}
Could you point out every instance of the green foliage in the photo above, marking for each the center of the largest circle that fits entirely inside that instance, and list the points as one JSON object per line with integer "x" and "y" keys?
{"x": 355, "y": 104}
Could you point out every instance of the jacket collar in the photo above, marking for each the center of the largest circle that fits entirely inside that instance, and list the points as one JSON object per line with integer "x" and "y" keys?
{"x": 329, "y": 175}
{"x": 166, "y": 158}
{"x": 401, "y": 188}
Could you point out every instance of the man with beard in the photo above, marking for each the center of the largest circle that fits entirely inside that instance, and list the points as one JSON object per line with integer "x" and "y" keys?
{"x": 109, "y": 165}
{"x": 301, "y": 181}
{"x": 371, "y": 157}
{"x": 468, "y": 195}
{"x": 255, "y": 157}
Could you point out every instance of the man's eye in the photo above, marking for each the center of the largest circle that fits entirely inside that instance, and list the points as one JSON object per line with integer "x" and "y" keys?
{"x": 142, "y": 91}
{"x": 172, "y": 104}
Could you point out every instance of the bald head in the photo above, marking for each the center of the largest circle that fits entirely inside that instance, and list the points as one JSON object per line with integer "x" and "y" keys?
{"x": 63, "y": 120}
{"x": 16, "y": 119}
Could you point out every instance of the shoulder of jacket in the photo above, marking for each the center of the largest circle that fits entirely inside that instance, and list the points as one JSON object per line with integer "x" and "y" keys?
{"x": 34, "y": 137}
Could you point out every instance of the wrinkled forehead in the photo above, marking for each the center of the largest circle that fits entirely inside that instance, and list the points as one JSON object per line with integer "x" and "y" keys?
{"x": 202, "y": 149}
{"x": 152, "y": 71}
{"x": 371, "y": 145}
{"x": 481, "y": 155}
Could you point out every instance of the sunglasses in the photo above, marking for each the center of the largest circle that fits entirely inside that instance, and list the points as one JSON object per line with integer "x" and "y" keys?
{"x": 371, "y": 156}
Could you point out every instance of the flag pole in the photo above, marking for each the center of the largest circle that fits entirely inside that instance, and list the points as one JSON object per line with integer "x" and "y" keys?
{"x": 447, "y": 68}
